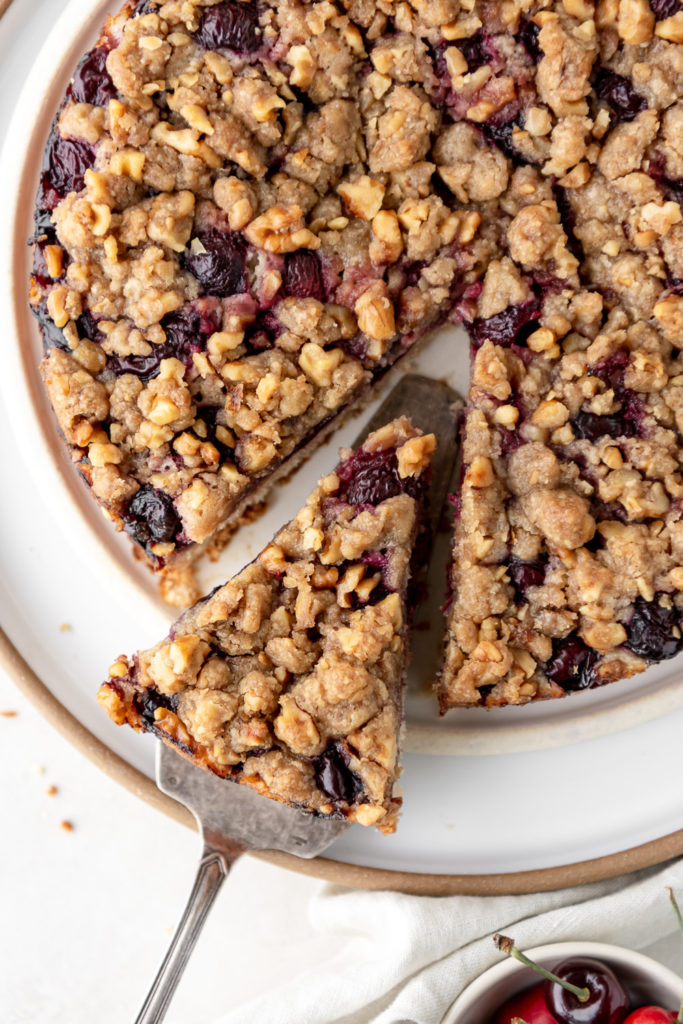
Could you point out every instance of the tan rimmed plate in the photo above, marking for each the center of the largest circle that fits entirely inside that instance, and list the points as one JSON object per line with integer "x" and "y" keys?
{"x": 471, "y": 822}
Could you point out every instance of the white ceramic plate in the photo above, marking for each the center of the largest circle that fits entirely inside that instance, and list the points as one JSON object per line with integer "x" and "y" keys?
{"x": 531, "y": 803}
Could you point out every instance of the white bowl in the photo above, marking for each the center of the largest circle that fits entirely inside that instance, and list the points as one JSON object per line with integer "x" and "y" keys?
{"x": 645, "y": 980}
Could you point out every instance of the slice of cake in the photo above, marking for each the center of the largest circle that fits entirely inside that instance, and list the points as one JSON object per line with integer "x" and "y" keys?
{"x": 290, "y": 677}
{"x": 567, "y": 568}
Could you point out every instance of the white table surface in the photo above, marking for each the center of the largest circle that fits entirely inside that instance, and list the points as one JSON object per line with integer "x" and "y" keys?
{"x": 86, "y": 915}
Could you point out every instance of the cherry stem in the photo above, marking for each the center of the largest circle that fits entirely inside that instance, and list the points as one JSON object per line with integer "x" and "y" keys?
{"x": 517, "y": 1020}
{"x": 679, "y": 1018}
{"x": 507, "y": 945}
{"x": 677, "y": 911}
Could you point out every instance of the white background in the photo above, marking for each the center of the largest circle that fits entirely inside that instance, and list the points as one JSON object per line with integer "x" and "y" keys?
{"x": 86, "y": 915}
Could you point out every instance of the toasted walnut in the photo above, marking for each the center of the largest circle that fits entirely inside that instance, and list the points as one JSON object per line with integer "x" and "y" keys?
{"x": 414, "y": 455}
{"x": 238, "y": 200}
{"x": 319, "y": 364}
{"x": 375, "y": 313}
{"x": 386, "y": 244}
{"x": 671, "y": 28}
{"x": 170, "y": 220}
{"x": 362, "y": 197}
{"x": 281, "y": 229}
{"x": 635, "y": 21}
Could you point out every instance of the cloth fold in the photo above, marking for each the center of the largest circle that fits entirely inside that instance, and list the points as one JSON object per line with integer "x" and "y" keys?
{"x": 404, "y": 959}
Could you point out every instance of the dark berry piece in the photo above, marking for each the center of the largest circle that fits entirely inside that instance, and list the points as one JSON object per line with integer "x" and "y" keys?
{"x": 654, "y": 632}
{"x": 302, "y": 276}
{"x": 665, "y": 8}
{"x": 92, "y": 82}
{"x": 186, "y": 332}
{"x": 528, "y": 37}
{"x": 592, "y": 427}
{"x": 526, "y": 574}
{"x": 501, "y": 135}
{"x": 571, "y": 666}
{"x": 510, "y": 326}
{"x": 475, "y": 50}
{"x": 334, "y": 777}
{"x": 67, "y": 162}
{"x": 151, "y": 517}
{"x": 232, "y": 25}
{"x": 151, "y": 699}
{"x": 51, "y": 334}
{"x": 619, "y": 94}
{"x": 147, "y": 7}
{"x": 221, "y": 268}
{"x": 368, "y": 478}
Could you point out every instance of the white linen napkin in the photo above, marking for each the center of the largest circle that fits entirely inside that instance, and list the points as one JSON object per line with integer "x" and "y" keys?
{"x": 403, "y": 959}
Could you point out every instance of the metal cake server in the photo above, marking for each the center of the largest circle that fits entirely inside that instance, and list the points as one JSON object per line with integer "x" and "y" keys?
{"x": 232, "y": 818}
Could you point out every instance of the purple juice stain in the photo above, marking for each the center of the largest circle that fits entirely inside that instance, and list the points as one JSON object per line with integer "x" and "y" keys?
{"x": 302, "y": 275}
{"x": 92, "y": 82}
{"x": 334, "y": 777}
{"x": 571, "y": 665}
{"x": 652, "y": 631}
{"x": 221, "y": 268}
{"x": 231, "y": 25}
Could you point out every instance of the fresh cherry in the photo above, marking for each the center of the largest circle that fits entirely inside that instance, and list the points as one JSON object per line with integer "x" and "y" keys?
{"x": 607, "y": 1002}
{"x": 652, "y": 1015}
{"x": 529, "y": 1005}
{"x": 580, "y": 990}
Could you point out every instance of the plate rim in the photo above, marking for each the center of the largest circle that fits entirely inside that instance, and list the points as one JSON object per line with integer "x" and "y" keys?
{"x": 325, "y": 868}
{"x": 98, "y": 752}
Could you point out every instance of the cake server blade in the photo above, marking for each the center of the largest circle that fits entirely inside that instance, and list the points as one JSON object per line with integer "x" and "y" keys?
{"x": 232, "y": 818}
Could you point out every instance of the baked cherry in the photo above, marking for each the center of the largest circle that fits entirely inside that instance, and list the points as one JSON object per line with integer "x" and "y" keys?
{"x": 333, "y": 775}
{"x": 231, "y": 25}
{"x": 504, "y": 328}
{"x": 218, "y": 262}
{"x": 301, "y": 275}
{"x": 368, "y": 478}
{"x": 581, "y": 990}
{"x": 665, "y": 8}
{"x": 619, "y": 94}
{"x": 92, "y": 82}
{"x": 654, "y": 631}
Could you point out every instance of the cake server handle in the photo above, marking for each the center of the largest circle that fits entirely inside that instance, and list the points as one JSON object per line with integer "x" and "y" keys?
{"x": 213, "y": 869}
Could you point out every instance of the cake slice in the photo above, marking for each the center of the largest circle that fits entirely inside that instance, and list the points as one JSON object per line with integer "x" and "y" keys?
{"x": 289, "y": 678}
{"x": 567, "y": 568}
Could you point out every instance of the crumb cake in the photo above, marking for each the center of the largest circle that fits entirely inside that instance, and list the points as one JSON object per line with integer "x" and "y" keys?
{"x": 250, "y": 210}
{"x": 289, "y": 678}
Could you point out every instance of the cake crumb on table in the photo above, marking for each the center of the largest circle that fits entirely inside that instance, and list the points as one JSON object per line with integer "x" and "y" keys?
{"x": 66, "y": 826}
